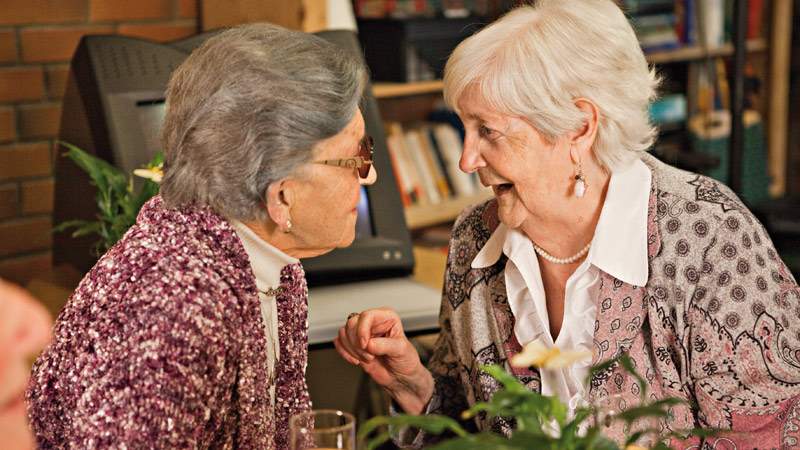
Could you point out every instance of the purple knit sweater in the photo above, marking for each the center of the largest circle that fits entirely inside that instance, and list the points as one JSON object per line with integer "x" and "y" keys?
{"x": 163, "y": 346}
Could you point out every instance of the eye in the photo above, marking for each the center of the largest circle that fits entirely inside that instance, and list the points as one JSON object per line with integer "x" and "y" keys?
{"x": 486, "y": 132}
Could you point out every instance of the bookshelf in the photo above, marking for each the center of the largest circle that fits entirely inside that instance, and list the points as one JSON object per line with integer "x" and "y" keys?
{"x": 693, "y": 53}
{"x": 390, "y": 90}
{"x": 420, "y": 216}
{"x": 684, "y": 54}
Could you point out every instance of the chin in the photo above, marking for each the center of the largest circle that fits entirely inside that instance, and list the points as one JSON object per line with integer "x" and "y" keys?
{"x": 510, "y": 218}
{"x": 348, "y": 239}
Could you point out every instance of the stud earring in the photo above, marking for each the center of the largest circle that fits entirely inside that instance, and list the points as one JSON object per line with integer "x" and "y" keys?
{"x": 288, "y": 226}
{"x": 580, "y": 183}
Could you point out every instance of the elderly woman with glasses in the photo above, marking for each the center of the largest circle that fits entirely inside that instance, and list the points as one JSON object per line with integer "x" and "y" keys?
{"x": 592, "y": 244}
{"x": 191, "y": 332}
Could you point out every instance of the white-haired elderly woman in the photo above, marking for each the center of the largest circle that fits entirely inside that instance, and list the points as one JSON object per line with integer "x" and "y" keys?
{"x": 590, "y": 243}
{"x": 191, "y": 332}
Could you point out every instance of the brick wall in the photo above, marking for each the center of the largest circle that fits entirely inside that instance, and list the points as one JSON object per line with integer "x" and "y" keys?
{"x": 37, "y": 39}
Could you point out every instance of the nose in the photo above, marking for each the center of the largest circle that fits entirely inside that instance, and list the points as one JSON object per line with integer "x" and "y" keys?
{"x": 471, "y": 159}
{"x": 372, "y": 177}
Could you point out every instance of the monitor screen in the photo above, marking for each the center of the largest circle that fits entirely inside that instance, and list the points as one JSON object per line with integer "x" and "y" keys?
{"x": 363, "y": 221}
{"x": 151, "y": 118}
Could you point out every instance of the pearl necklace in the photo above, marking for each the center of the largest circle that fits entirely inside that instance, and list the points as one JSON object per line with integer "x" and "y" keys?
{"x": 568, "y": 260}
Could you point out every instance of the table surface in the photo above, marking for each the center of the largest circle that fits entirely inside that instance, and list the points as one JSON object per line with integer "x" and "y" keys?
{"x": 328, "y": 306}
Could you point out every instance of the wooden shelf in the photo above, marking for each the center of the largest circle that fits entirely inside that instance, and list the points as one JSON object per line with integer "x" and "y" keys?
{"x": 392, "y": 90}
{"x": 696, "y": 52}
{"x": 388, "y": 90}
{"x": 418, "y": 216}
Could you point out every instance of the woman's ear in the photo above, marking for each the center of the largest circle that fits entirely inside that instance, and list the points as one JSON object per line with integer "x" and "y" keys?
{"x": 584, "y": 137}
{"x": 279, "y": 201}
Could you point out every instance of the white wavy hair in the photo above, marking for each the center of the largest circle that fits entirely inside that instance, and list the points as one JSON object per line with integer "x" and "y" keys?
{"x": 536, "y": 60}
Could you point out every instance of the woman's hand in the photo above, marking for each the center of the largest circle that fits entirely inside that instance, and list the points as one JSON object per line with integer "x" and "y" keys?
{"x": 374, "y": 339}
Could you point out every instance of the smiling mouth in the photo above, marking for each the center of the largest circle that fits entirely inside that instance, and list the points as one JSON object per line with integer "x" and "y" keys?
{"x": 502, "y": 188}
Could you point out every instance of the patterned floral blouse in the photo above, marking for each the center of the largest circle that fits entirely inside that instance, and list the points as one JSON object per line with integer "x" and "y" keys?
{"x": 717, "y": 324}
{"x": 162, "y": 345}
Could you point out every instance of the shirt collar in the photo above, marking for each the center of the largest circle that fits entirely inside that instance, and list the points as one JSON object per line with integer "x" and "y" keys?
{"x": 619, "y": 246}
{"x": 265, "y": 259}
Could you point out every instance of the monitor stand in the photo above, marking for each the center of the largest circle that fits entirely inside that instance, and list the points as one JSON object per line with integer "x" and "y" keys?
{"x": 328, "y": 306}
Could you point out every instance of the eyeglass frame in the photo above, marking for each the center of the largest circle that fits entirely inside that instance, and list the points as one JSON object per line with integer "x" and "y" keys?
{"x": 360, "y": 162}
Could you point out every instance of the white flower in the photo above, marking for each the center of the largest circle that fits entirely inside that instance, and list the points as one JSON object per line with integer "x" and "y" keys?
{"x": 154, "y": 174}
{"x": 538, "y": 355}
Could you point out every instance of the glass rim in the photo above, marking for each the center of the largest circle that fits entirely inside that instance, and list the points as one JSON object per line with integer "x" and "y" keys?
{"x": 351, "y": 420}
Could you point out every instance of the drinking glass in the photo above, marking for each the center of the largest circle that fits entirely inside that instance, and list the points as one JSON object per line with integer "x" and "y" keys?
{"x": 322, "y": 429}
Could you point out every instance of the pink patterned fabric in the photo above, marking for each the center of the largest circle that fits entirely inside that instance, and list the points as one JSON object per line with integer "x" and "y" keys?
{"x": 293, "y": 338}
{"x": 162, "y": 345}
{"x": 717, "y": 324}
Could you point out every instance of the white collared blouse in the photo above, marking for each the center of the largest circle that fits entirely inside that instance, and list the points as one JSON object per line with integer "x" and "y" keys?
{"x": 619, "y": 248}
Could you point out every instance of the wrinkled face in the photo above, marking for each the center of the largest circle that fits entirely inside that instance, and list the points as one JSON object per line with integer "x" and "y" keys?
{"x": 324, "y": 211}
{"x": 525, "y": 172}
{"x": 24, "y": 330}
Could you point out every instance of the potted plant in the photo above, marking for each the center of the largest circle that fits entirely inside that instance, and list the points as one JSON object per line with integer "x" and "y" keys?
{"x": 118, "y": 202}
{"x": 542, "y": 422}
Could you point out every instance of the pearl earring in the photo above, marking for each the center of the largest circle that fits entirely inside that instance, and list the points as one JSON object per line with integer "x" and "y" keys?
{"x": 288, "y": 226}
{"x": 580, "y": 183}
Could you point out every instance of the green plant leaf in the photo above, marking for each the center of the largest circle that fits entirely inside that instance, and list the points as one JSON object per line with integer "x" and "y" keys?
{"x": 488, "y": 441}
{"x": 600, "y": 368}
{"x": 510, "y": 383}
{"x": 627, "y": 363}
{"x": 104, "y": 175}
{"x": 434, "y": 424}
{"x": 117, "y": 202}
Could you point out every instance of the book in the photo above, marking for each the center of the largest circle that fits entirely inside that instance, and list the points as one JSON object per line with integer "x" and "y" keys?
{"x": 449, "y": 143}
{"x": 429, "y": 190}
{"x": 755, "y": 18}
{"x": 409, "y": 177}
{"x": 440, "y": 160}
{"x": 400, "y": 173}
{"x": 433, "y": 164}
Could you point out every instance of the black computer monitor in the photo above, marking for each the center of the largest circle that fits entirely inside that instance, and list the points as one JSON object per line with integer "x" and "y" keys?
{"x": 113, "y": 108}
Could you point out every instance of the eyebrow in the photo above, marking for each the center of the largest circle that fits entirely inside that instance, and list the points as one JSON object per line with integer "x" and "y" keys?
{"x": 474, "y": 116}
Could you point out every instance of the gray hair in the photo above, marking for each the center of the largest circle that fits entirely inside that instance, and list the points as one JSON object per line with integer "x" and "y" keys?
{"x": 535, "y": 61}
{"x": 247, "y": 108}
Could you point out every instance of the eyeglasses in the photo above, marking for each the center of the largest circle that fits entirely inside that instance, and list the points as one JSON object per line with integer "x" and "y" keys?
{"x": 361, "y": 162}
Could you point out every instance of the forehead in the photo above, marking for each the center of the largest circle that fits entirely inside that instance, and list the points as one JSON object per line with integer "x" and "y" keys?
{"x": 472, "y": 106}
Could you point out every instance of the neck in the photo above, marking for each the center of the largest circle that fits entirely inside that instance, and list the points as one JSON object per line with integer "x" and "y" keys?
{"x": 285, "y": 242}
{"x": 563, "y": 228}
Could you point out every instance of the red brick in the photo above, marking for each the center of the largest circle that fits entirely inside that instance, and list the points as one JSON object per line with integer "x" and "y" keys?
{"x": 57, "y": 80}
{"x": 17, "y": 12}
{"x": 101, "y": 10}
{"x": 53, "y": 44}
{"x": 21, "y": 83}
{"x": 187, "y": 9}
{"x": 9, "y": 201}
{"x": 8, "y": 46}
{"x": 25, "y": 160}
{"x": 22, "y": 269}
{"x": 8, "y": 125}
{"x": 37, "y": 196}
{"x": 39, "y": 121}
{"x": 158, "y": 32}
{"x": 25, "y": 235}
